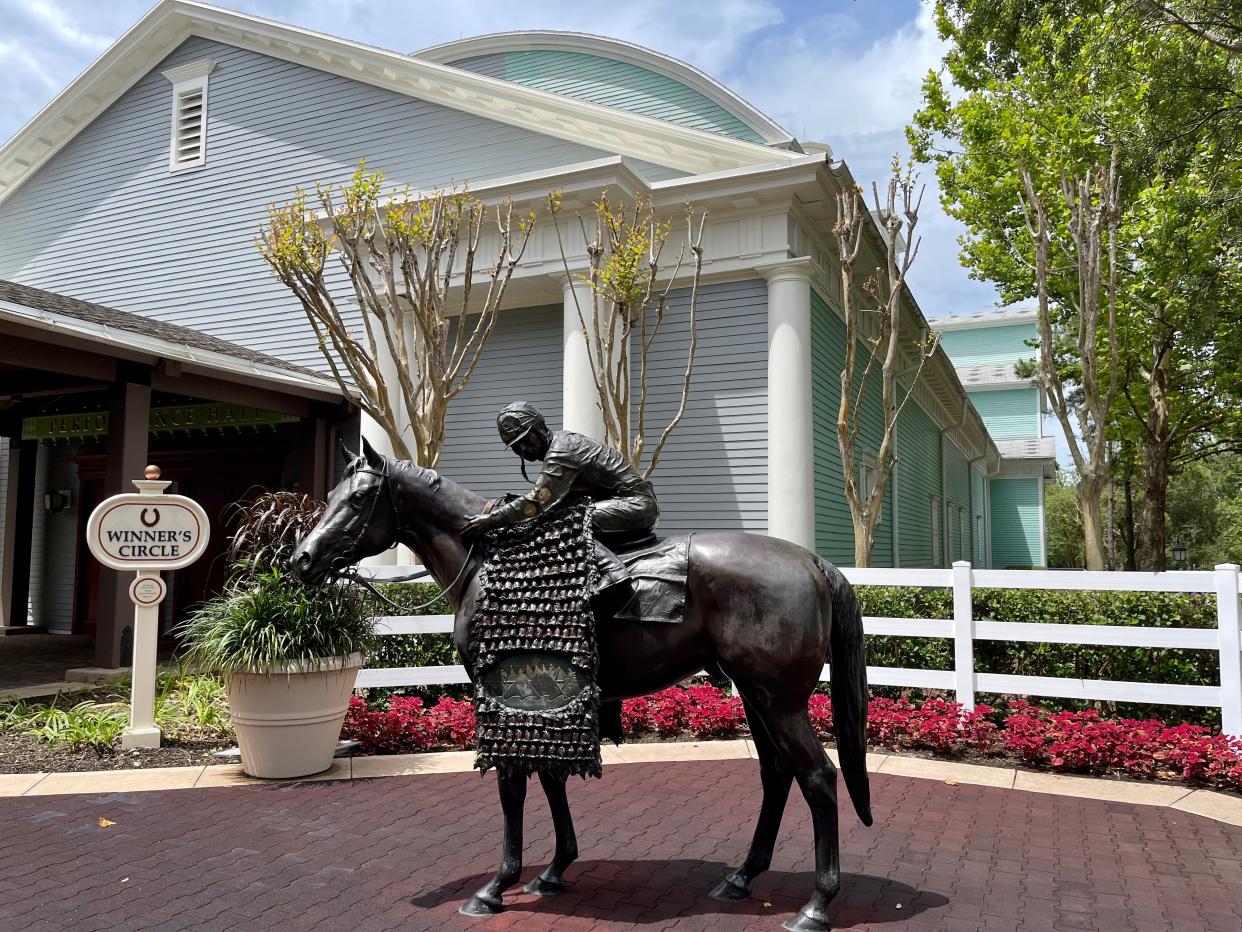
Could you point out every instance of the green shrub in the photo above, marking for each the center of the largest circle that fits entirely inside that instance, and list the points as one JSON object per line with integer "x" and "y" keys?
{"x": 265, "y": 619}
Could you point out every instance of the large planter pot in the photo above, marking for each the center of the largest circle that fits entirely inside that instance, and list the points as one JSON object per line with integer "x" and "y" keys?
{"x": 288, "y": 721}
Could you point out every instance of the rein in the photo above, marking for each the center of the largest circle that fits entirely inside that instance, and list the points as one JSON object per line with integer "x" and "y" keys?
{"x": 357, "y": 578}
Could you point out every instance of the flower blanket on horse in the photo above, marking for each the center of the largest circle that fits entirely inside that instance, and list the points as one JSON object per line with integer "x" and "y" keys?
{"x": 532, "y": 644}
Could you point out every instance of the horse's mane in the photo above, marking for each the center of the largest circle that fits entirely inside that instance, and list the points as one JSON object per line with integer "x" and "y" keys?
{"x": 454, "y": 495}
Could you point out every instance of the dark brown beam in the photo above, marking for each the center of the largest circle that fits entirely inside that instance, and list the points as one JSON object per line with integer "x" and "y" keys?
{"x": 129, "y": 412}
{"x": 210, "y": 389}
{"x": 316, "y": 465}
{"x": 17, "y": 350}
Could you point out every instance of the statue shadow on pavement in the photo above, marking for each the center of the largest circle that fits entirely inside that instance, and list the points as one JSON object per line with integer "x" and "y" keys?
{"x": 643, "y": 891}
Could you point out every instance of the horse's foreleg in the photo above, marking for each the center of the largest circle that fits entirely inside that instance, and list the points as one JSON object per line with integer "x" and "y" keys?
{"x": 487, "y": 901}
{"x": 777, "y": 779}
{"x": 552, "y": 880}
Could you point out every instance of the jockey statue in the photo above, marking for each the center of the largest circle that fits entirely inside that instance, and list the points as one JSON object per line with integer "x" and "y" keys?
{"x": 625, "y": 504}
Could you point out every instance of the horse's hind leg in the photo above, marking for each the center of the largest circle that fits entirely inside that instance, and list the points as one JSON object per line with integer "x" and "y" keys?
{"x": 487, "y": 901}
{"x": 777, "y": 778}
{"x": 796, "y": 741}
{"x": 552, "y": 880}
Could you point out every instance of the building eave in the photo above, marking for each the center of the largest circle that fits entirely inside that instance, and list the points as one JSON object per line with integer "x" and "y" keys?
{"x": 192, "y": 358}
{"x": 171, "y": 22}
{"x": 984, "y": 319}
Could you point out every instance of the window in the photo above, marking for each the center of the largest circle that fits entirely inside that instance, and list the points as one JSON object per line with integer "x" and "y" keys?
{"x": 188, "y": 146}
{"x": 937, "y": 539}
{"x": 868, "y": 474}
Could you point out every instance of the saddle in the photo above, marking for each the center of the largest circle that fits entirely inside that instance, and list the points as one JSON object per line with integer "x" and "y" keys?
{"x": 659, "y": 570}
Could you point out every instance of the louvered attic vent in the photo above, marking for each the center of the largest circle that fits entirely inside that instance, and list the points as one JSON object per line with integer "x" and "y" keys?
{"x": 188, "y": 148}
{"x": 188, "y": 142}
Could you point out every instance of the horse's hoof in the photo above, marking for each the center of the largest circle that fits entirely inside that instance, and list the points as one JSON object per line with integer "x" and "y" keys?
{"x": 809, "y": 921}
{"x": 479, "y": 907}
{"x": 729, "y": 892}
{"x": 541, "y": 886}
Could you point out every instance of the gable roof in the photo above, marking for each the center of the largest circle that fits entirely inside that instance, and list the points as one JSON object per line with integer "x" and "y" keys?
{"x": 624, "y": 54}
{"x": 171, "y": 22}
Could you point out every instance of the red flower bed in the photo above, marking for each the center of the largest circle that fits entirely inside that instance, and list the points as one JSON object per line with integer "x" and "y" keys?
{"x": 1065, "y": 741}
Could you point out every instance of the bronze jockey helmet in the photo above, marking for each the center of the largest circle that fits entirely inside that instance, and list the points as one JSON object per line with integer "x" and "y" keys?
{"x": 518, "y": 419}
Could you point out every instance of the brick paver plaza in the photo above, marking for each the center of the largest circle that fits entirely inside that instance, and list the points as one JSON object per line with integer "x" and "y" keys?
{"x": 403, "y": 852}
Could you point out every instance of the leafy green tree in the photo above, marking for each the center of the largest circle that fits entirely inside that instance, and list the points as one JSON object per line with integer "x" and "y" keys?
{"x": 1045, "y": 93}
{"x": 1063, "y": 520}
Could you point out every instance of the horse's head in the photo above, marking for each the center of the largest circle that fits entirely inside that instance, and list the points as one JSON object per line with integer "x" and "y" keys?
{"x": 360, "y": 521}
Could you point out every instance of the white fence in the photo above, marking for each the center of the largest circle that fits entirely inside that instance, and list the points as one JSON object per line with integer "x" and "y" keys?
{"x": 965, "y": 630}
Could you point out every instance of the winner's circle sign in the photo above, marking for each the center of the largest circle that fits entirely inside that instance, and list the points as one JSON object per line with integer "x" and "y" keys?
{"x": 135, "y": 531}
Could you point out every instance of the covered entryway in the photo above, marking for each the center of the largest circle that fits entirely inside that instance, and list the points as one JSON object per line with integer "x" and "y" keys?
{"x": 88, "y": 397}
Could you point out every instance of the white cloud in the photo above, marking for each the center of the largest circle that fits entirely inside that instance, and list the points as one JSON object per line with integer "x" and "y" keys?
{"x": 822, "y": 82}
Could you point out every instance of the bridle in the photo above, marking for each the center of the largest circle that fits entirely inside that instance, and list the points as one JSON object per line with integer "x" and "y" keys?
{"x": 341, "y": 570}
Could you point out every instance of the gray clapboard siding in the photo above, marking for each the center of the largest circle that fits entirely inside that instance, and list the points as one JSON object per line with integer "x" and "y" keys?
{"x": 521, "y": 362}
{"x": 712, "y": 474}
{"x": 105, "y": 220}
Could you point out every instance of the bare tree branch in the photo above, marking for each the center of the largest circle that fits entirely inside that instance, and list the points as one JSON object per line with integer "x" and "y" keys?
{"x": 400, "y": 257}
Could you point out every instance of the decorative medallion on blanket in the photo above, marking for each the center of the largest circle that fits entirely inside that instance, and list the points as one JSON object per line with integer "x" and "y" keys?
{"x": 532, "y": 645}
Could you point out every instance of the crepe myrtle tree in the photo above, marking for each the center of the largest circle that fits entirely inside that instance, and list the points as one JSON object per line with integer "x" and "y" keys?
{"x": 893, "y": 354}
{"x": 1076, "y": 268}
{"x": 412, "y": 266}
{"x": 631, "y": 284}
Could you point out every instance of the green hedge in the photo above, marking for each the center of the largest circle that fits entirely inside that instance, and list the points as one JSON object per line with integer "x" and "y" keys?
{"x": 1139, "y": 664}
{"x": 414, "y": 650}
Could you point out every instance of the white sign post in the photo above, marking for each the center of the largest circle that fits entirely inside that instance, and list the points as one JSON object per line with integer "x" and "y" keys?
{"x": 148, "y": 532}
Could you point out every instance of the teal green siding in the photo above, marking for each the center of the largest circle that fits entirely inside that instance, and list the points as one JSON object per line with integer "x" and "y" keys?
{"x": 957, "y": 503}
{"x": 834, "y": 532}
{"x": 1008, "y": 413}
{"x": 989, "y": 346}
{"x": 613, "y": 84}
{"x": 918, "y": 481}
{"x": 1015, "y": 523}
{"x": 978, "y": 526}
{"x": 918, "y": 476}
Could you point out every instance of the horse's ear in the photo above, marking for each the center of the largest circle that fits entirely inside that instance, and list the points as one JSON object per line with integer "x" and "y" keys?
{"x": 349, "y": 455}
{"x": 372, "y": 457}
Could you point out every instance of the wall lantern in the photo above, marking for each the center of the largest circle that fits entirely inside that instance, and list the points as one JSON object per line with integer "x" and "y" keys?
{"x": 60, "y": 500}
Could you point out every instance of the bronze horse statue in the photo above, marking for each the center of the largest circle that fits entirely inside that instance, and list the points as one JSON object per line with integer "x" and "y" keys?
{"x": 764, "y": 612}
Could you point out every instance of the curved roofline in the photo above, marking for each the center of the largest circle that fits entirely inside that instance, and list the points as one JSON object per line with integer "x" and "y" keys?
{"x": 527, "y": 40}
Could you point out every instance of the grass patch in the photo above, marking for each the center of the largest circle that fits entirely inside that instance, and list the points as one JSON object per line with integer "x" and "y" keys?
{"x": 187, "y": 706}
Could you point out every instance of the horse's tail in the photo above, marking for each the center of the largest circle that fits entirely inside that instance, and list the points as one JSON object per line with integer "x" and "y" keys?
{"x": 849, "y": 687}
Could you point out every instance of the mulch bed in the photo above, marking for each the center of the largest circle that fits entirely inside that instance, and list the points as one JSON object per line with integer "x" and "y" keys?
{"x": 23, "y": 754}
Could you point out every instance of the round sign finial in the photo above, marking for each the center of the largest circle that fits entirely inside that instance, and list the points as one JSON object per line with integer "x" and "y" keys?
{"x": 152, "y": 472}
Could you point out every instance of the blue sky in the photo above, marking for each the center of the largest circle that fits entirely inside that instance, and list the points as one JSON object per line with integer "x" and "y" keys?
{"x": 837, "y": 71}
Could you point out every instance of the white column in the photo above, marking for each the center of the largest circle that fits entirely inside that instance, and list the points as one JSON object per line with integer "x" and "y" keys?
{"x": 580, "y": 410}
{"x": 380, "y": 442}
{"x": 791, "y": 451}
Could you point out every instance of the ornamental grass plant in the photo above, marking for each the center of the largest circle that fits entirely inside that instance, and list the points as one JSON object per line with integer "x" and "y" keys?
{"x": 265, "y": 620}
